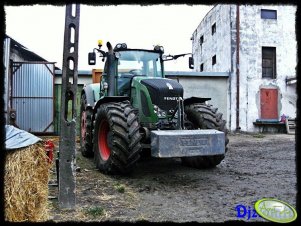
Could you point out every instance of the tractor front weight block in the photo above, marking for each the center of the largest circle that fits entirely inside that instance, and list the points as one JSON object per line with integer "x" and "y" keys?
{"x": 185, "y": 143}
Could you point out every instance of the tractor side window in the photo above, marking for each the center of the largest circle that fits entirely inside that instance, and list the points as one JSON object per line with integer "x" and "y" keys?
{"x": 139, "y": 63}
{"x": 151, "y": 69}
{"x": 127, "y": 69}
{"x": 154, "y": 68}
{"x": 158, "y": 69}
{"x": 105, "y": 71}
{"x": 129, "y": 66}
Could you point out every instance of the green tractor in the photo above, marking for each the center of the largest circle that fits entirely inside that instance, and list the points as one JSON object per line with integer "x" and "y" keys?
{"x": 136, "y": 110}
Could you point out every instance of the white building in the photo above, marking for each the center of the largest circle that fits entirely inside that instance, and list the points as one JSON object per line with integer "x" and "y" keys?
{"x": 256, "y": 45}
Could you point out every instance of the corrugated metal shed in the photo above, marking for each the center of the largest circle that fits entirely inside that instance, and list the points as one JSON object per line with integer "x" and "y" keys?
{"x": 32, "y": 93}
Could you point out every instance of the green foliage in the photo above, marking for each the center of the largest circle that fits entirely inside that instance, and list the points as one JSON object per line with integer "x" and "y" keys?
{"x": 120, "y": 188}
{"x": 95, "y": 211}
{"x": 258, "y": 135}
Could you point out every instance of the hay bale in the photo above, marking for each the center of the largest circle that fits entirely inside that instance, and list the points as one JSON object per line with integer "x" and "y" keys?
{"x": 26, "y": 184}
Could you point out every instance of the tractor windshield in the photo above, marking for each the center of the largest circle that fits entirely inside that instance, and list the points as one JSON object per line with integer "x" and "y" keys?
{"x": 140, "y": 63}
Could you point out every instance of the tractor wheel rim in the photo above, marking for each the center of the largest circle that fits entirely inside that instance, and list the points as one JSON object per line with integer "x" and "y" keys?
{"x": 103, "y": 147}
{"x": 83, "y": 126}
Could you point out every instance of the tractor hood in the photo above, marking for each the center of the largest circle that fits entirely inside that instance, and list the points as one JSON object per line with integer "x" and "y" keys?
{"x": 163, "y": 92}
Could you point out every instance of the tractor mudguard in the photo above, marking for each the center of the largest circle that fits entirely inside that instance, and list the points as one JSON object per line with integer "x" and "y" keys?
{"x": 92, "y": 93}
{"x": 192, "y": 100}
{"x": 109, "y": 99}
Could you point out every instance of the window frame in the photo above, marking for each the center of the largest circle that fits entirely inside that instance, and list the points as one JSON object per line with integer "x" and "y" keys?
{"x": 201, "y": 40}
{"x": 269, "y": 56}
{"x": 202, "y": 67}
{"x": 214, "y": 60}
{"x": 269, "y": 14}
{"x": 213, "y": 29}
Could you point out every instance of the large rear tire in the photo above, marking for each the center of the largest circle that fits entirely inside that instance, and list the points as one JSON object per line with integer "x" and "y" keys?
{"x": 203, "y": 116}
{"x": 116, "y": 139}
{"x": 85, "y": 128}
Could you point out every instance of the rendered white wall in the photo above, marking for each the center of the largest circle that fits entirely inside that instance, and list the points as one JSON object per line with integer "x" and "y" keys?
{"x": 255, "y": 32}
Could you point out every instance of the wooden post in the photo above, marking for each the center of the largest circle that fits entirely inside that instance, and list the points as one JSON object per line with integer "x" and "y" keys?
{"x": 67, "y": 144}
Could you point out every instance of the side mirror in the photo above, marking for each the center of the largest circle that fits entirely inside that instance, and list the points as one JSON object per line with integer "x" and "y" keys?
{"x": 92, "y": 58}
{"x": 191, "y": 65}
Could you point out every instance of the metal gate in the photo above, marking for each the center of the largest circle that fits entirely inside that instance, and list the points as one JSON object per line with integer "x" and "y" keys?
{"x": 32, "y": 90}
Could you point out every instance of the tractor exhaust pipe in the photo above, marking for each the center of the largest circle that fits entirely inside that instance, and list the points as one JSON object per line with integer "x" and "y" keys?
{"x": 111, "y": 70}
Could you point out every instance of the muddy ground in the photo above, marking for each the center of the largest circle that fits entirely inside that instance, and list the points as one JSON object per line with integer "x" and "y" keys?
{"x": 256, "y": 166}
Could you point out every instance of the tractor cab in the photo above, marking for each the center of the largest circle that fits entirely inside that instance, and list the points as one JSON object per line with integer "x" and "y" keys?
{"x": 136, "y": 63}
{"x": 125, "y": 64}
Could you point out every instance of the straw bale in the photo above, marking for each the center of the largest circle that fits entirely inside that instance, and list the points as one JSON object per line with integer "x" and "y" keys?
{"x": 26, "y": 184}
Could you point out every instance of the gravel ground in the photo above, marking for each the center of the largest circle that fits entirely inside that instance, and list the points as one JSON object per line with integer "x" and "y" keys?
{"x": 256, "y": 166}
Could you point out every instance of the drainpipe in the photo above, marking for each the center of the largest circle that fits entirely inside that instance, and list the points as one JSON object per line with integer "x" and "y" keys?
{"x": 237, "y": 67}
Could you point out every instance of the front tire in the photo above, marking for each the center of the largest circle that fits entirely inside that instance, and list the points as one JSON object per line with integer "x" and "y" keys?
{"x": 203, "y": 116}
{"x": 85, "y": 128}
{"x": 116, "y": 139}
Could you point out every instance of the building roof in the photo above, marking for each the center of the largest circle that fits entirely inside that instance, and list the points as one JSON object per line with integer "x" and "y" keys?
{"x": 59, "y": 72}
{"x": 191, "y": 38}
{"x": 24, "y": 51}
{"x": 167, "y": 73}
{"x": 195, "y": 74}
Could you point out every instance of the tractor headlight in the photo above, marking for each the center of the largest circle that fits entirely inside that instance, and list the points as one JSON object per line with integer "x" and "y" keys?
{"x": 159, "y": 48}
{"x": 120, "y": 46}
{"x": 163, "y": 114}
{"x": 160, "y": 113}
{"x": 105, "y": 86}
{"x": 155, "y": 109}
{"x": 124, "y": 46}
{"x": 117, "y": 55}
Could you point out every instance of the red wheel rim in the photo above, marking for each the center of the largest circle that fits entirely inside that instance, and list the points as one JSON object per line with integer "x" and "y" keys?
{"x": 103, "y": 147}
{"x": 83, "y": 126}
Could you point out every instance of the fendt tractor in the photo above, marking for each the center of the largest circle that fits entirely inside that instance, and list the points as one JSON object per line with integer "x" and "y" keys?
{"x": 136, "y": 110}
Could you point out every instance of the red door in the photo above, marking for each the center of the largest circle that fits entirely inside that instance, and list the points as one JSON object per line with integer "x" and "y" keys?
{"x": 269, "y": 103}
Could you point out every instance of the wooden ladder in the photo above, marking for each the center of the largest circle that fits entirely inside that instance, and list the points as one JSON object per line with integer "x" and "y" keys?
{"x": 290, "y": 126}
